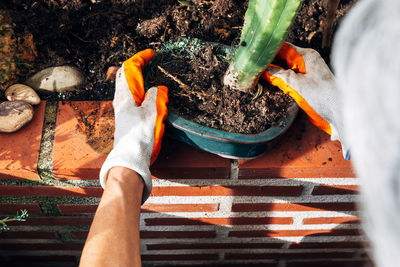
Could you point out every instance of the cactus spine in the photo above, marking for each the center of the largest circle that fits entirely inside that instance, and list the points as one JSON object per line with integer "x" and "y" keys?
{"x": 266, "y": 23}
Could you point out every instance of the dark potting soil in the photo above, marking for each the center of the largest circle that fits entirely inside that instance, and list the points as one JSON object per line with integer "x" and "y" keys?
{"x": 193, "y": 71}
{"x": 94, "y": 35}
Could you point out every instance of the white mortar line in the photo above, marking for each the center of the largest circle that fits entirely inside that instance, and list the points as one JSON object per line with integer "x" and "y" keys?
{"x": 251, "y": 251}
{"x": 286, "y": 245}
{"x": 254, "y": 182}
{"x": 250, "y": 199}
{"x": 307, "y": 190}
{"x": 227, "y": 262}
{"x": 272, "y": 227}
{"x": 297, "y": 221}
{"x": 143, "y": 248}
{"x": 225, "y": 206}
{"x": 292, "y": 239}
{"x": 234, "y": 170}
{"x": 222, "y": 214}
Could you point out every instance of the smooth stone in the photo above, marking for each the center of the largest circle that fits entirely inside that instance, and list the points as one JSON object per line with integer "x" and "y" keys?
{"x": 14, "y": 115}
{"x": 56, "y": 79}
{"x": 22, "y": 92}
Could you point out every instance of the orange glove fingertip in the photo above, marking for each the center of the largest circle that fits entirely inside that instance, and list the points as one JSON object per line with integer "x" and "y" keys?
{"x": 293, "y": 58}
{"x": 159, "y": 128}
{"x": 143, "y": 57}
{"x": 133, "y": 73}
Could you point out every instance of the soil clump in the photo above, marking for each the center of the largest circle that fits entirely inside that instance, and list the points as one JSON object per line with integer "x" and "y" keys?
{"x": 193, "y": 71}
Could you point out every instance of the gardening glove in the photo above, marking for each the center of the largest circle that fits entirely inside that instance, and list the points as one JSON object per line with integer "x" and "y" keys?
{"x": 312, "y": 85}
{"x": 139, "y": 121}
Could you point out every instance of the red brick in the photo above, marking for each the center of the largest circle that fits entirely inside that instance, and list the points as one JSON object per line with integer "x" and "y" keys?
{"x": 180, "y": 161}
{"x": 51, "y": 191}
{"x": 326, "y": 245}
{"x": 41, "y": 246}
{"x": 356, "y": 263}
{"x": 335, "y": 190}
{"x": 286, "y": 233}
{"x": 176, "y": 234}
{"x": 37, "y": 221}
{"x": 331, "y": 220}
{"x": 181, "y": 246}
{"x": 219, "y": 221}
{"x": 217, "y": 190}
{"x": 252, "y": 256}
{"x": 77, "y": 209}
{"x": 19, "y": 151}
{"x": 158, "y": 234}
{"x": 83, "y": 137}
{"x": 303, "y": 152}
{"x": 149, "y": 208}
{"x": 321, "y": 206}
{"x": 32, "y": 208}
{"x": 181, "y": 257}
{"x": 79, "y": 151}
{"x": 28, "y": 235}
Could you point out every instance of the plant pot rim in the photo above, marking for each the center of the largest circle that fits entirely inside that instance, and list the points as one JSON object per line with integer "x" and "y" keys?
{"x": 268, "y": 135}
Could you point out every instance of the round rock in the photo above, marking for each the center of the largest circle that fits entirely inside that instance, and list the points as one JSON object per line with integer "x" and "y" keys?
{"x": 22, "y": 92}
{"x": 56, "y": 79}
{"x": 14, "y": 115}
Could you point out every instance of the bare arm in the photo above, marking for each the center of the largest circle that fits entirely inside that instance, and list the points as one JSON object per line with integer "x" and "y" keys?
{"x": 114, "y": 238}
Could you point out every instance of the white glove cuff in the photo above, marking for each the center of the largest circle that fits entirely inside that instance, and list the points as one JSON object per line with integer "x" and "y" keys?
{"x": 143, "y": 172}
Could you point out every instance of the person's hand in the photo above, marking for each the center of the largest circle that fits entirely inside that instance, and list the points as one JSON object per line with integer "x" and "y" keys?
{"x": 312, "y": 85}
{"x": 139, "y": 121}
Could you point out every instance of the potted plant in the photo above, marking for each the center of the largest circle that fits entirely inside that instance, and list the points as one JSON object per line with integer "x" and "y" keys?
{"x": 266, "y": 23}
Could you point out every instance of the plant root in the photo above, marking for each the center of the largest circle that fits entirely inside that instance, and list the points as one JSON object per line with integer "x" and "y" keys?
{"x": 260, "y": 90}
{"x": 169, "y": 75}
{"x": 199, "y": 95}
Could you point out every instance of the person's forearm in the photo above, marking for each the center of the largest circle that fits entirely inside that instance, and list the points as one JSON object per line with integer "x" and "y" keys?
{"x": 114, "y": 235}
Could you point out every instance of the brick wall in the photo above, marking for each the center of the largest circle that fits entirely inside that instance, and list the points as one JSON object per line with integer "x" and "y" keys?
{"x": 294, "y": 206}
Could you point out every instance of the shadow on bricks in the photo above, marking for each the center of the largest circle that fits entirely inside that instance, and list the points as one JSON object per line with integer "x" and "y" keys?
{"x": 300, "y": 192}
{"x": 297, "y": 202}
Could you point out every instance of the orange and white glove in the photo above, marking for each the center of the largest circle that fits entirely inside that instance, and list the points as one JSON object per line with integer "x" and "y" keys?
{"x": 312, "y": 85}
{"x": 139, "y": 121}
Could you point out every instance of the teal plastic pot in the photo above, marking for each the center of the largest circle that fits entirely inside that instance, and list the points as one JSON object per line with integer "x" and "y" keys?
{"x": 223, "y": 143}
{"x": 226, "y": 144}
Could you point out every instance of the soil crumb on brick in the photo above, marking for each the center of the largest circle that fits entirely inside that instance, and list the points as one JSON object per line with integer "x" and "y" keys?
{"x": 95, "y": 124}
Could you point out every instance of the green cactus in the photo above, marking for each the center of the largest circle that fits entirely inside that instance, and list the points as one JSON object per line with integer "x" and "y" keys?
{"x": 266, "y": 24}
